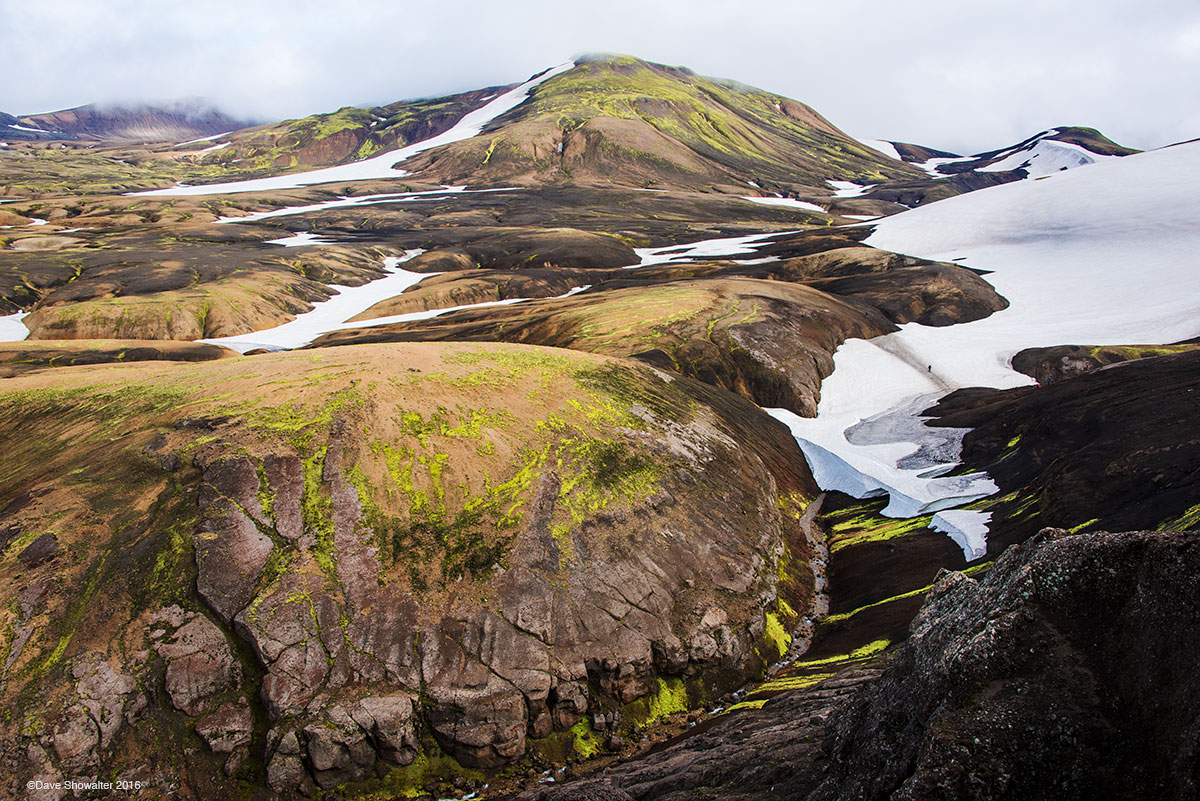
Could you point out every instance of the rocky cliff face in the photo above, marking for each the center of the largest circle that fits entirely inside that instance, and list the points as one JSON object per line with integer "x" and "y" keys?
{"x": 358, "y": 564}
{"x": 1057, "y": 676}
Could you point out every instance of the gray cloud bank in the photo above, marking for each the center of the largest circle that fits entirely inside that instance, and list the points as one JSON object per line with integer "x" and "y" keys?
{"x": 962, "y": 76}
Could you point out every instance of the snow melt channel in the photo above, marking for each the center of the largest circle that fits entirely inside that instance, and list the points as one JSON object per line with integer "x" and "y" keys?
{"x": 1103, "y": 256}
{"x": 381, "y": 166}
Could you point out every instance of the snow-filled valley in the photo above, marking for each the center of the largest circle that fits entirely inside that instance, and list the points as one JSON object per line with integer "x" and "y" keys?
{"x": 1100, "y": 255}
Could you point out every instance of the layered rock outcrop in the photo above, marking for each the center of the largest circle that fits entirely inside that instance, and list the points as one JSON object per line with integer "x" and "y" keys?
{"x": 444, "y": 554}
{"x": 1060, "y": 675}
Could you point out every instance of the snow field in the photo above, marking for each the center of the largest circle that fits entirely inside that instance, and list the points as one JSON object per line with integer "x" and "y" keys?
{"x": 1102, "y": 256}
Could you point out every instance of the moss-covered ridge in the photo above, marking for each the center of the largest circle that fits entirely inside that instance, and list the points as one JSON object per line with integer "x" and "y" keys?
{"x": 620, "y": 119}
{"x": 507, "y": 537}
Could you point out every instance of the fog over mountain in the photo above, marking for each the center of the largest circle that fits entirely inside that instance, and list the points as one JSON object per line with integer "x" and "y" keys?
{"x": 960, "y": 77}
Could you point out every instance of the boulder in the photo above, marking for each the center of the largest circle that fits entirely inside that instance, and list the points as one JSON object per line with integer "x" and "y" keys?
{"x": 200, "y": 665}
{"x": 227, "y": 728}
{"x": 43, "y": 549}
{"x": 389, "y": 721}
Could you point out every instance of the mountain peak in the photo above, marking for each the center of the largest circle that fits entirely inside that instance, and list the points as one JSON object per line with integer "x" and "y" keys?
{"x": 138, "y": 122}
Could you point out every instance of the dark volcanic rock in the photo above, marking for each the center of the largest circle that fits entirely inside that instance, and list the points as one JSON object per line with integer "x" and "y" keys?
{"x": 768, "y": 753}
{"x": 1116, "y": 449}
{"x": 230, "y": 550}
{"x": 200, "y": 665}
{"x": 1062, "y": 675}
{"x": 1047, "y": 365}
{"x": 43, "y": 549}
{"x": 227, "y": 728}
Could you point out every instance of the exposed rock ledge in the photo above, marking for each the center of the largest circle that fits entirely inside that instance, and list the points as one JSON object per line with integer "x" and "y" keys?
{"x": 1064, "y": 674}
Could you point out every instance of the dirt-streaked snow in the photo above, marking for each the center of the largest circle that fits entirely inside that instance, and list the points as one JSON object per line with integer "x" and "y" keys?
{"x": 12, "y": 329}
{"x": 1105, "y": 255}
{"x": 383, "y": 165}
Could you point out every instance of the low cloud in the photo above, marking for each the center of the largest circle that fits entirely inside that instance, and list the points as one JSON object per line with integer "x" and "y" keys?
{"x": 964, "y": 77}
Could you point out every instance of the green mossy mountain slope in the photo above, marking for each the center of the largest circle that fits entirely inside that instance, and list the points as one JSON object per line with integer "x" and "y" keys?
{"x": 618, "y": 119}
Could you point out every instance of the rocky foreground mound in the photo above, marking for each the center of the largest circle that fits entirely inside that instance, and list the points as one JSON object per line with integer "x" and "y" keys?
{"x": 1060, "y": 675}
{"x": 386, "y": 564}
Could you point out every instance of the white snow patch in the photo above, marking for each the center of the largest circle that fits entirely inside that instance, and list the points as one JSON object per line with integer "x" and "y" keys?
{"x": 785, "y": 201}
{"x": 32, "y": 130}
{"x": 383, "y": 165}
{"x": 849, "y": 188}
{"x": 931, "y": 166}
{"x": 203, "y": 139}
{"x": 861, "y": 216}
{"x": 1102, "y": 256}
{"x": 1046, "y": 157}
{"x": 704, "y": 249}
{"x": 301, "y": 238}
{"x": 967, "y": 527}
{"x": 36, "y": 221}
{"x": 212, "y": 149}
{"x": 363, "y": 200}
{"x": 884, "y": 147}
{"x": 12, "y": 329}
{"x": 328, "y": 315}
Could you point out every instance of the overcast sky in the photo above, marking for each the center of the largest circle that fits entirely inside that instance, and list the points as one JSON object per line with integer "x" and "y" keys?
{"x": 967, "y": 76}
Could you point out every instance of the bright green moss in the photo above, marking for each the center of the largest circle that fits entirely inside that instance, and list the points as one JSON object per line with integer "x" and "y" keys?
{"x": 586, "y": 742}
{"x": 1185, "y": 522}
{"x": 316, "y": 509}
{"x": 670, "y": 698}
{"x": 744, "y": 705}
{"x": 775, "y": 634}
{"x": 297, "y": 424}
{"x": 870, "y": 649}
